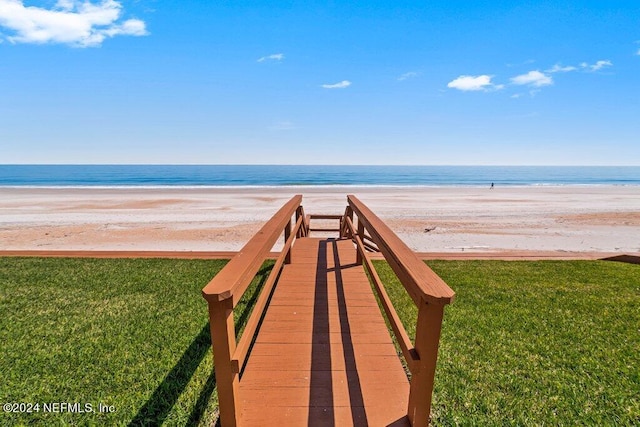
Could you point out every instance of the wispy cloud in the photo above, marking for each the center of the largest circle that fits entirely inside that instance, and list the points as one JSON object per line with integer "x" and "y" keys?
{"x": 532, "y": 78}
{"x": 474, "y": 83}
{"x": 638, "y": 52}
{"x": 272, "y": 57}
{"x": 340, "y": 85}
{"x": 283, "y": 125}
{"x": 527, "y": 62}
{"x": 584, "y": 66}
{"x": 409, "y": 75}
{"x": 597, "y": 66}
{"x": 560, "y": 69}
{"x": 72, "y": 22}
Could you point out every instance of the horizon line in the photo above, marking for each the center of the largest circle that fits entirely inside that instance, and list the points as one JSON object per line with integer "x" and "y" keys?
{"x": 321, "y": 164}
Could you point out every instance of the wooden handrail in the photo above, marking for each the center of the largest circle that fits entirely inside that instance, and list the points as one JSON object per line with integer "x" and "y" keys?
{"x": 240, "y": 355}
{"x": 408, "y": 350}
{"x": 321, "y": 216}
{"x": 428, "y": 291}
{"x": 367, "y": 238}
{"x": 225, "y": 290}
{"x": 369, "y": 246}
{"x": 234, "y": 278}
{"x": 325, "y": 217}
{"x": 419, "y": 280}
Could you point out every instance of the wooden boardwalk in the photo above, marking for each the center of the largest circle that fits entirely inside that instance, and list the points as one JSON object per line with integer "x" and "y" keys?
{"x": 316, "y": 349}
{"x": 323, "y": 355}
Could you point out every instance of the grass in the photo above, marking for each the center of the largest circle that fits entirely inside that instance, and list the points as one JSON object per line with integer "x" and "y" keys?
{"x": 132, "y": 333}
{"x": 525, "y": 343}
{"x": 535, "y": 343}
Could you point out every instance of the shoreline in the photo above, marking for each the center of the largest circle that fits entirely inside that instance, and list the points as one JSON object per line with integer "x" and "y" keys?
{"x": 308, "y": 186}
{"x": 571, "y": 218}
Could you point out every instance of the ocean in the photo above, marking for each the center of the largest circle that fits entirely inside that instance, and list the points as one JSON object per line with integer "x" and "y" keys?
{"x": 298, "y": 175}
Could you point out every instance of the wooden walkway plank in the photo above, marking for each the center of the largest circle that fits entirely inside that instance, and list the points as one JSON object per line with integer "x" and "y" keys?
{"x": 323, "y": 355}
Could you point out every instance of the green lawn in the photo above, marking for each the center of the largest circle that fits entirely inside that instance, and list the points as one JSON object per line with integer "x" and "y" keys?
{"x": 130, "y": 333}
{"x": 525, "y": 343}
{"x": 535, "y": 343}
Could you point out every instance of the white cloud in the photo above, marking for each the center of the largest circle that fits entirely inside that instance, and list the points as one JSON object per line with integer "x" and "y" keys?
{"x": 340, "y": 85}
{"x": 560, "y": 69}
{"x": 527, "y": 62}
{"x": 602, "y": 64}
{"x": 597, "y": 66}
{"x": 65, "y": 4}
{"x": 638, "y": 52}
{"x": 409, "y": 75}
{"x": 474, "y": 83}
{"x": 272, "y": 57}
{"x": 532, "y": 78}
{"x": 532, "y": 93}
{"x": 73, "y": 22}
{"x": 284, "y": 125}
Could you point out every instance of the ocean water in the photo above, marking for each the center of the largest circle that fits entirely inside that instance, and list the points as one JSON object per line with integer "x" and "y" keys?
{"x": 281, "y": 175}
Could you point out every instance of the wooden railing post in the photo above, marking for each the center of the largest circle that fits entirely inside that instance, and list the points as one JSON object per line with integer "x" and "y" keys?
{"x": 287, "y": 233}
{"x": 344, "y": 230}
{"x": 426, "y": 344}
{"x": 361, "y": 234}
{"x": 300, "y": 213}
{"x": 223, "y": 343}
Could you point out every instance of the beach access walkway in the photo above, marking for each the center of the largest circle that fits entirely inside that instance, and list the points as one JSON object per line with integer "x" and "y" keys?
{"x": 316, "y": 349}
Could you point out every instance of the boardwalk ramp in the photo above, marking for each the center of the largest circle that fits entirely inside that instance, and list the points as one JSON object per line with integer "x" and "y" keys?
{"x": 317, "y": 350}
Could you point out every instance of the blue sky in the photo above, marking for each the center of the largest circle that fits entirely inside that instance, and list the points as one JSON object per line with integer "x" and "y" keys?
{"x": 303, "y": 82}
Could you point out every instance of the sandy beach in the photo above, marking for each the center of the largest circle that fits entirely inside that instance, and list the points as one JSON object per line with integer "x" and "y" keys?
{"x": 439, "y": 219}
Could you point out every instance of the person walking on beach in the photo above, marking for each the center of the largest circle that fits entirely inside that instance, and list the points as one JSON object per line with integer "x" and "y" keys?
{"x": 491, "y": 188}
